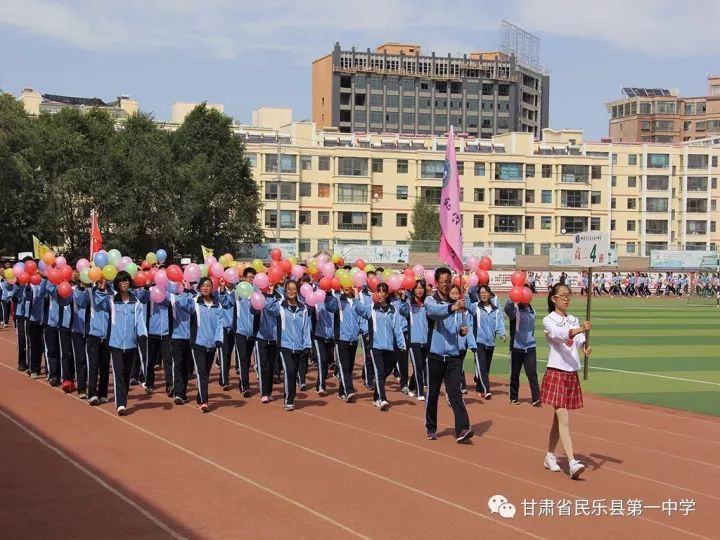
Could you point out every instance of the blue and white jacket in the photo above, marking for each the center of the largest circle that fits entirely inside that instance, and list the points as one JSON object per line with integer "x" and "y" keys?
{"x": 80, "y": 315}
{"x": 524, "y": 325}
{"x": 267, "y": 328}
{"x": 206, "y": 324}
{"x": 325, "y": 317}
{"x": 98, "y": 302}
{"x": 444, "y": 328}
{"x": 487, "y": 324}
{"x": 347, "y": 322}
{"x": 127, "y": 321}
{"x": 23, "y": 304}
{"x": 419, "y": 328}
{"x": 467, "y": 341}
{"x": 158, "y": 315}
{"x": 182, "y": 310}
{"x": 293, "y": 326}
{"x": 384, "y": 326}
{"x": 6, "y": 290}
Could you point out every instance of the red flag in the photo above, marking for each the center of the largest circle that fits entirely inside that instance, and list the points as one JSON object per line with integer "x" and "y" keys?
{"x": 95, "y": 236}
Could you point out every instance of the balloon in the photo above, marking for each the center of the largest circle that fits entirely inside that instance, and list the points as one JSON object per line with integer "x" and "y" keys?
{"x": 286, "y": 266}
{"x": 325, "y": 283}
{"x": 209, "y": 261}
{"x": 144, "y": 265}
{"x": 373, "y": 282}
{"x": 310, "y": 299}
{"x": 319, "y": 297}
{"x": 223, "y": 260}
{"x": 261, "y": 281}
{"x": 82, "y": 264}
{"x": 346, "y": 280}
{"x": 131, "y": 268}
{"x": 85, "y": 276}
{"x": 60, "y": 261}
{"x": 408, "y": 283}
{"x": 473, "y": 280}
{"x": 297, "y": 271}
{"x": 151, "y": 257}
{"x": 113, "y": 257}
{"x": 160, "y": 278}
{"x": 35, "y": 279}
{"x": 157, "y": 295}
{"x": 323, "y": 258}
{"x": 203, "y": 270}
{"x": 42, "y": 267}
{"x": 527, "y": 295}
{"x": 95, "y": 274}
{"x": 483, "y": 277}
{"x": 244, "y": 289}
{"x": 485, "y": 263}
{"x": 328, "y": 270}
{"x": 312, "y": 267}
{"x": 293, "y": 260}
{"x": 215, "y": 281}
{"x": 394, "y": 282}
{"x": 418, "y": 270}
{"x": 54, "y": 276}
{"x": 161, "y": 255}
{"x": 24, "y": 278}
{"x": 66, "y": 272}
{"x": 140, "y": 279}
{"x": 518, "y": 278}
{"x": 456, "y": 280}
{"x": 306, "y": 290}
{"x": 231, "y": 276}
{"x": 216, "y": 269}
{"x": 30, "y": 267}
{"x": 48, "y": 258}
{"x": 109, "y": 272}
{"x": 64, "y": 290}
{"x": 341, "y": 262}
{"x": 276, "y": 254}
{"x": 257, "y": 300}
{"x": 275, "y": 275}
{"x": 369, "y": 268}
{"x": 258, "y": 265}
{"x": 359, "y": 279}
{"x": 516, "y": 294}
{"x": 472, "y": 262}
{"x": 430, "y": 277}
{"x": 174, "y": 273}
{"x": 8, "y": 273}
{"x": 18, "y": 269}
{"x": 360, "y": 264}
{"x": 335, "y": 283}
{"x": 192, "y": 273}
{"x": 100, "y": 259}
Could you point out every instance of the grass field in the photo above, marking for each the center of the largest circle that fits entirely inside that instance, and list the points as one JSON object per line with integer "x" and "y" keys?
{"x": 658, "y": 351}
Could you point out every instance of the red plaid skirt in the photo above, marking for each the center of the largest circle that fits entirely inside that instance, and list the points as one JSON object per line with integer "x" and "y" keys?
{"x": 562, "y": 389}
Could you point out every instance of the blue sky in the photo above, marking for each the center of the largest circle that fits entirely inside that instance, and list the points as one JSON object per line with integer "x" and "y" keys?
{"x": 247, "y": 54}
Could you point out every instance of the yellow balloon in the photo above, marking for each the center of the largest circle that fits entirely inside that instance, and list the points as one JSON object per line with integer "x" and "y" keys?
{"x": 312, "y": 267}
{"x": 151, "y": 257}
{"x": 109, "y": 272}
{"x": 346, "y": 280}
{"x": 8, "y": 273}
{"x": 369, "y": 268}
{"x": 335, "y": 258}
{"x": 293, "y": 259}
{"x": 258, "y": 265}
{"x": 387, "y": 273}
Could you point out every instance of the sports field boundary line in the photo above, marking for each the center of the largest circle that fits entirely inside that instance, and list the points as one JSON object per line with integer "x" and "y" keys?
{"x": 127, "y": 500}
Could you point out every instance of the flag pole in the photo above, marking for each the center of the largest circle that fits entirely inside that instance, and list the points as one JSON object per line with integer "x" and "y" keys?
{"x": 588, "y": 309}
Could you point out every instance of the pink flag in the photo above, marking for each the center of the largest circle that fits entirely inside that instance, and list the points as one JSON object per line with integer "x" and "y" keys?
{"x": 450, "y": 249}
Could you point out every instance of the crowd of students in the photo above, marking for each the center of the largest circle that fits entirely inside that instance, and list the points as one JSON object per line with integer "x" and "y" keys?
{"x": 190, "y": 327}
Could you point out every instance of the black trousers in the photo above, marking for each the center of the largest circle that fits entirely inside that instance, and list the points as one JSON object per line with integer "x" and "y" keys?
{"x": 244, "y": 347}
{"x": 156, "y": 347}
{"x": 22, "y": 343}
{"x": 325, "y": 349}
{"x": 383, "y": 364}
{"x": 401, "y": 363}
{"x": 368, "y": 372}
{"x": 98, "y": 353}
{"x": 418, "y": 357}
{"x": 35, "y": 345}
{"x": 67, "y": 358}
{"x": 123, "y": 361}
{"x": 52, "y": 351}
{"x": 527, "y": 359}
{"x": 226, "y": 355}
{"x": 4, "y": 311}
{"x": 203, "y": 359}
{"x": 290, "y": 361}
{"x": 345, "y": 358}
{"x": 79, "y": 350}
{"x": 448, "y": 369}
{"x": 483, "y": 359}
{"x": 266, "y": 354}
{"x": 182, "y": 364}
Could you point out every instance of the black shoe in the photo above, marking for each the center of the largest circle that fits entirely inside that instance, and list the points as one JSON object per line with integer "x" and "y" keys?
{"x": 22, "y": 367}
{"x": 177, "y": 400}
{"x": 465, "y": 436}
{"x": 247, "y": 394}
{"x": 134, "y": 382}
{"x": 303, "y": 387}
{"x": 54, "y": 381}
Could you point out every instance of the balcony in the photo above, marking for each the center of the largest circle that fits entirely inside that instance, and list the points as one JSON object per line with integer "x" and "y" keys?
{"x": 352, "y": 226}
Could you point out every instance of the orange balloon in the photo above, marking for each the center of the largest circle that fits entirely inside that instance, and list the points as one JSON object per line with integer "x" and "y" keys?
{"x": 95, "y": 274}
{"x": 48, "y": 258}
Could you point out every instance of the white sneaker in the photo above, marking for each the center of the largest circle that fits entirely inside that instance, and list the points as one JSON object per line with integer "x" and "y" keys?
{"x": 383, "y": 405}
{"x": 421, "y": 398}
{"x": 411, "y": 393}
{"x": 576, "y": 469}
{"x": 121, "y": 410}
{"x": 377, "y": 403}
{"x": 551, "y": 462}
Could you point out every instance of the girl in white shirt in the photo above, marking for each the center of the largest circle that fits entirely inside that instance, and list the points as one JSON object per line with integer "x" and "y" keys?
{"x": 561, "y": 384}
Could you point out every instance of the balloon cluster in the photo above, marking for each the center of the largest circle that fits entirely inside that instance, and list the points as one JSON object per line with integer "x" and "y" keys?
{"x": 480, "y": 268}
{"x": 519, "y": 293}
{"x": 29, "y": 272}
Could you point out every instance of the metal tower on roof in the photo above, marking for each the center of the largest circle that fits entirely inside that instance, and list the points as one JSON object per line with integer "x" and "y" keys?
{"x": 521, "y": 43}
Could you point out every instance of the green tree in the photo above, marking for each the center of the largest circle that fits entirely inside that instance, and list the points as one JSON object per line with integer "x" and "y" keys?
{"x": 425, "y": 222}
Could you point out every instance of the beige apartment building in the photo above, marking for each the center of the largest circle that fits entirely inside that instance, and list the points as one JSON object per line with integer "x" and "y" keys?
{"x": 661, "y": 115}
{"x": 35, "y": 103}
{"x": 516, "y": 192}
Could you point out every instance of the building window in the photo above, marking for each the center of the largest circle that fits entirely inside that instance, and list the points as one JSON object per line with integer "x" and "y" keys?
{"x": 530, "y": 196}
{"x": 352, "y": 193}
{"x": 376, "y": 192}
{"x": 402, "y": 166}
{"x": 479, "y": 195}
{"x": 574, "y": 199}
{"x": 656, "y": 204}
{"x": 305, "y": 189}
{"x": 352, "y": 221}
{"x": 658, "y": 161}
{"x": 461, "y": 167}
{"x": 323, "y": 217}
{"x": 546, "y": 196}
{"x": 479, "y": 169}
{"x": 573, "y": 224}
{"x": 351, "y": 166}
{"x": 304, "y": 246}
{"x": 545, "y": 249}
{"x": 305, "y": 163}
{"x": 696, "y": 205}
{"x": 324, "y": 163}
{"x": 595, "y": 197}
{"x": 632, "y": 181}
{"x": 401, "y": 220}
{"x": 612, "y": 224}
{"x": 377, "y": 165}
{"x": 252, "y": 158}
{"x": 376, "y": 219}
{"x": 613, "y": 203}
{"x": 323, "y": 190}
{"x": 656, "y": 226}
{"x": 507, "y": 224}
{"x": 713, "y": 183}
{"x": 696, "y": 227}
{"x": 402, "y": 193}
{"x": 305, "y": 217}
{"x": 698, "y": 161}
{"x": 478, "y": 221}
{"x": 632, "y": 159}
{"x": 657, "y": 183}
{"x": 431, "y": 195}
{"x": 594, "y": 223}
{"x": 508, "y": 171}
{"x": 630, "y": 247}
{"x": 613, "y": 181}
{"x": 630, "y": 225}
{"x": 712, "y": 226}
{"x": 288, "y": 163}
{"x": 432, "y": 168}
{"x": 697, "y": 183}
{"x": 631, "y": 204}
{"x": 596, "y": 172}
{"x": 546, "y": 222}
{"x": 547, "y": 171}
{"x": 508, "y": 197}
{"x": 287, "y": 219}
{"x": 529, "y": 171}
{"x": 529, "y": 222}
{"x": 287, "y": 191}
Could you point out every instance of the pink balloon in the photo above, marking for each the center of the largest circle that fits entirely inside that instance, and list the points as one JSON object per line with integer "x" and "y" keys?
{"x": 60, "y": 261}
{"x": 472, "y": 262}
{"x": 261, "y": 281}
{"x": 394, "y": 282}
{"x": 297, "y": 272}
{"x": 328, "y": 269}
{"x": 161, "y": 279}
{"x": 319, "y": 296}
{"x": 231, "y": 276}
{"x": 123, "y": 262}
{"x": 310, "y": 300}
{"x": 210, "y": 260}
{"x": 257, "y": 300}
{"x": 430, "y": 277}
{"x": 82, "y": 264}
{"x": 323, "y": 258}
{"x": 306, "y": 290}
{"x": 18, "y": 269}
{"x": 473, "y": 280}
{"x": 191, "y": 273}
{"x": 157, "y": 294}
{"x": 359, "y": 279}
{"x": 216, "y": 269}
{"x": 419, "y": 270}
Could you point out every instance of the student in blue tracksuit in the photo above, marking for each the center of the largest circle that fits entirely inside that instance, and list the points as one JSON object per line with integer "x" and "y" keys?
{"x": 226, "y": 298}
{"x": 347, "y": 332}
{"x": 468, "y": 340}
{"x": 59, "y": 324}
{"x": 21, "y": 327}
{"x": 5, "y": 306}
{"x": 418, "y": 334}
{"x": 324, "y": 339}
{"x": 523, "y": 354}
{"x": 35, "y": 296}
{"x": 127, "y": 322}
{"x": 51, "y": 334}
{"x": 266, "y": 343}
{"x": 488, "y": 323}
{"x": 206, "y": 336}
{"x": 400, "y": 304}
{"x": 98, "y": 336}
{"x": 293, "y": 338}
{"x": 444, "y": 361}
{"x": 180, "y": 347}
{"x": 368, "y": 373}
{"x": 157, "y": 346}
{"x": 78, "y": 331}
{"x": 246, "y": 325}
{"x": 385, "y": 334}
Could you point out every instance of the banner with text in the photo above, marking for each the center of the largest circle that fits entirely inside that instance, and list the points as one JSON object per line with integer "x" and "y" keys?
{"x": 684, "y": 260}
{"x": 373, "y": 254}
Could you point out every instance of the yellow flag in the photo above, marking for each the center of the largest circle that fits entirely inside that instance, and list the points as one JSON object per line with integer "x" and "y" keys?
{"x": 39, "y": 248}
{"x": 207, "y": 252}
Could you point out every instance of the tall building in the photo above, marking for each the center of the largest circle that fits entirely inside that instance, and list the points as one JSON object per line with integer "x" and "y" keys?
{"x": 35, "y": 103}
{"x": 398, "y": 89}
{"x": 661, "y": 115}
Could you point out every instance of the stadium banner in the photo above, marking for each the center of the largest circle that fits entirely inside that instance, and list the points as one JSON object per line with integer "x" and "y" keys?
{"x": 373, "y": 254}
{"x": 499, "y": 256}
{"x": 566, "y": 257}
{"x": 262, "y": 251}
{"x": 682, "y": 260}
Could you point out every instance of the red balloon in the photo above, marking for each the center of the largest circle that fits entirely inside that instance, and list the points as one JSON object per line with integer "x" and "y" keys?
{"x": 150, "y": 274}
{"x": 64, "y": 289}
{"x": 140, "y": 279}
{"x": 276, "y": 254}
{"x": 335, "y": 283}
{"x": 215, "y": 281}
{"x": 360, "y": 264}
{"x": 275, "y": 275}
{"x": 518, "y": 278}
{"x": 174, "y": 273}
{"x": 24, "y": 278}
{"x": 286, "y": 266}
{"x": 373, "y": 282}
{"x": 485, "y": 263}
{"x": 35, "y": 279}
{"x": 54, "y": 276}
{"x": 527, "y": 295}
{"x": 30, "y": 267}
{"x": 408, "y": 282}
{"x": 483, "y": 277}
{"x": 456, "y": 280}
{"x": 409, "y": 272}
{"x": 66, "y": 272}
{"x": 146, "y": 265}
{"x": 516, "y": 294}
{"x": 325, "y": 284}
